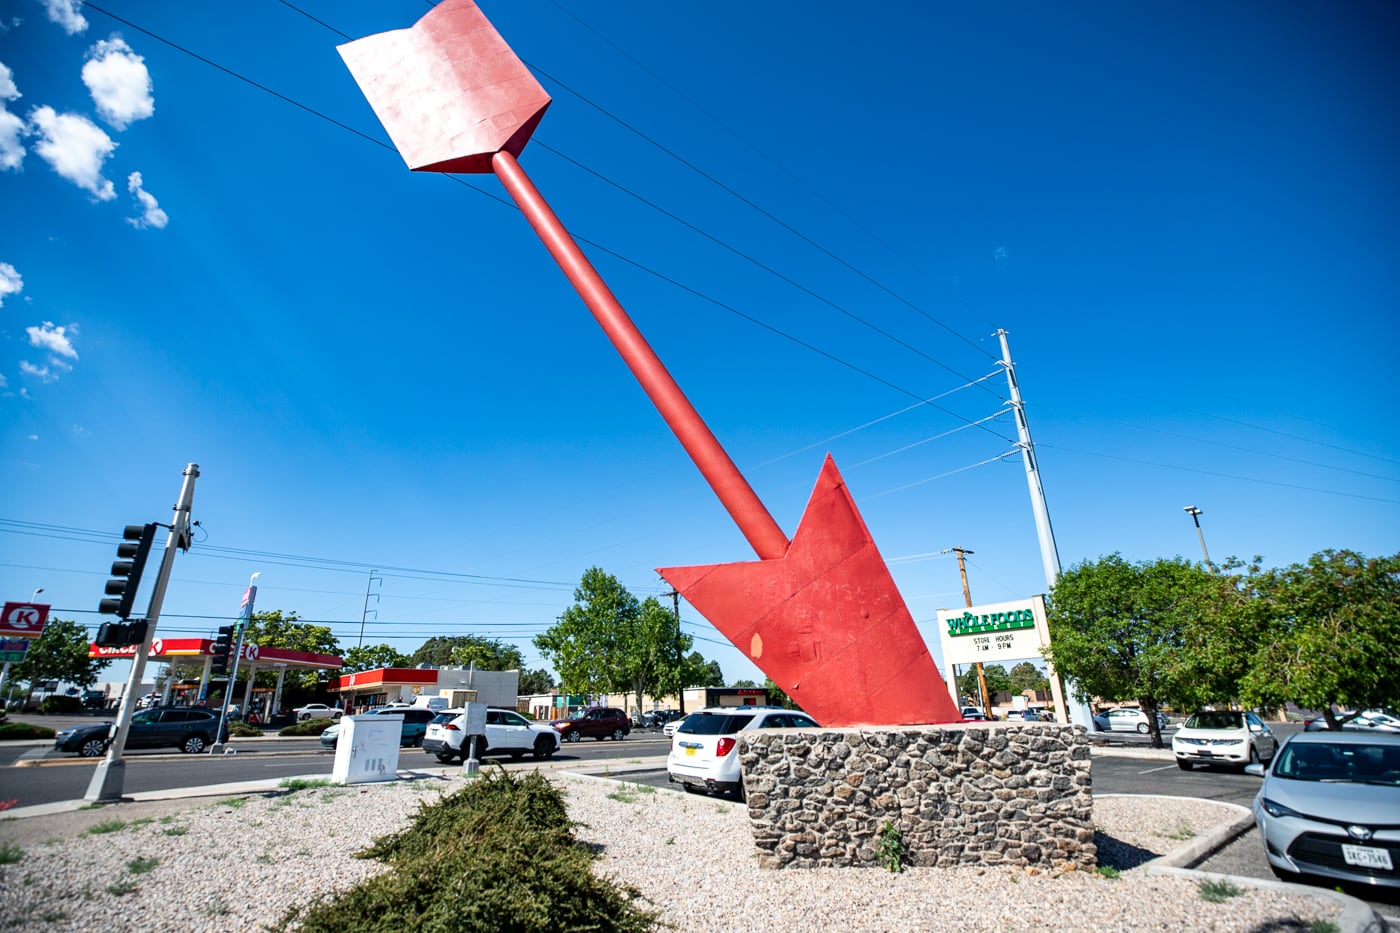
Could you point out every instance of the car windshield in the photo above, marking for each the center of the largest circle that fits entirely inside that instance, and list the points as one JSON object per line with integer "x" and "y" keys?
{"x": 1215, "y": 719}
{"x": 1356, "y": 763}
{"x": 714, "y": 723}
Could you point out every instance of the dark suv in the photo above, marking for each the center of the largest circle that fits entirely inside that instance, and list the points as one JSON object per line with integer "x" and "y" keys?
{"x": 601, "y": 723}
{"x": 189, "y": 728}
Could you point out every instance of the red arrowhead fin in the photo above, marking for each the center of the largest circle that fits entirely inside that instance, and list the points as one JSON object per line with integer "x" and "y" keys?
{"x": 826, "y": 621}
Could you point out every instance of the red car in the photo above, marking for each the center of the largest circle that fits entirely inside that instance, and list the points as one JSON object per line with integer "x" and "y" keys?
{"x": 600, "y": 723}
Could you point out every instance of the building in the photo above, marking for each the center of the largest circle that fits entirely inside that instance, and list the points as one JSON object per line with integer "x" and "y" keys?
{"x": 364, "y": 690}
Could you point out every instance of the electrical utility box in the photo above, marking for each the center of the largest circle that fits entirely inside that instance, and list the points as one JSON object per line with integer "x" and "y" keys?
{"x": 368, "y": 749}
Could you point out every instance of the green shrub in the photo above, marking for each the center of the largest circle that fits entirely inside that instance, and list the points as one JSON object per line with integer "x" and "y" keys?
{"x": 499, "y": 854}
{"x": 61, "y": 705}
{"x": 241, "y": 729}
{"x": 23, "y": 730}
{"x": 309, "y": 727}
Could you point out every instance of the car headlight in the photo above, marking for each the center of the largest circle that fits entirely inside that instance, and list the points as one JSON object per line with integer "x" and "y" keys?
{"x": 1274, "y": 808}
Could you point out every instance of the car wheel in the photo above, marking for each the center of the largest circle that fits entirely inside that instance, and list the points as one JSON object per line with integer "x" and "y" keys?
{"x": 544, "y": 748}
{"x": 193, "y": 744}
{"x": 92, "y": 748}
{"x": 417, "y": 741}
{"x": 445, "y": 757}
{"x": 1183, "y": 764}
{"x": 1253, "y": 758}
{"x": 1142, "y": 728}
{"x": 574, "y": 736}
{"x": 618, "y": 735}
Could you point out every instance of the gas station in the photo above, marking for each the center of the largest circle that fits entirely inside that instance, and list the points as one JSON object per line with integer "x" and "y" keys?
{"x": 186, "y": 656}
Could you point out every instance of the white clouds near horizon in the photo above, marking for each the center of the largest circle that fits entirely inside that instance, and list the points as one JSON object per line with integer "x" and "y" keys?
{"x": 11, "y": 126}
{"x": 119, "y": 83}
{"x": 75, "y": 148}
{"x": 53, "y": 338}
{"x": 11, "y": 282}
{"x": 67, "y": 14}
{"x": 151, "y": 214}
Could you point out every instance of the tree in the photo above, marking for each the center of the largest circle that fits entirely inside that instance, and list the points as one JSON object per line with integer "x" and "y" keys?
{"x": 778, "y": 696}
{"x": 60, "y": 653}
{"x": 1329, "y": 630}
{"x": 587, "y": 643}
{"x": 372, "y": 657}
{"x": 536, "y": 681}
{"x": 1135, "y": 631}
{"x": 274, "y": 629}
{"x": 702, "y": 673}
{"x": 745, "y": 683}
{"x": 997, "y": 681}
{"x": 1026, "y": 676}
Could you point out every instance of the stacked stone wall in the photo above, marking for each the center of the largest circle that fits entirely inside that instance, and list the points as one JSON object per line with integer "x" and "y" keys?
{"x": 984, "y": 794}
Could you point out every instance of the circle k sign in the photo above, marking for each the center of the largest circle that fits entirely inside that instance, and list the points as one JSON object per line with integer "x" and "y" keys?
{"x": 23, "y": 620}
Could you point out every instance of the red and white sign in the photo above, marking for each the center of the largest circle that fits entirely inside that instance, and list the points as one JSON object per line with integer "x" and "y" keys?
{"x": 23, "y": 620}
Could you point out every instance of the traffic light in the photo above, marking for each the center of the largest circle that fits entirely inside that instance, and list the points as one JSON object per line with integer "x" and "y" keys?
{"x": 223, "y": 646}
{"x": 132, "y": 554}
{"x": 121, "y": 634}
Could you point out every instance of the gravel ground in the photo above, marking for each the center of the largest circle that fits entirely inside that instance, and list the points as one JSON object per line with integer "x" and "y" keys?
{"x": 240, "y": 863}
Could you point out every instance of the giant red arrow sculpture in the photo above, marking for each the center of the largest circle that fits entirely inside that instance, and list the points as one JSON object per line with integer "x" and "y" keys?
{"x": 821, "y": 616}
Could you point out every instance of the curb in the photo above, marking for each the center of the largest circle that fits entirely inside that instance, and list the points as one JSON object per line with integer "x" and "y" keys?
{"x": 1357, "y": 916}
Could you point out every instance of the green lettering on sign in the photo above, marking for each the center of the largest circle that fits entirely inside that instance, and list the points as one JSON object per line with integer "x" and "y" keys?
{"x": 969, "y": 624}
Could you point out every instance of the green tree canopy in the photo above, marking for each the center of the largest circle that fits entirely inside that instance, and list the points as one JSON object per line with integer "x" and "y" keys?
{"x": 1125, "y": 631}
{"x": 276, "y": 629}
{"x": 488, "y": 654}
{"x": 536, "y": 681}
{"x": 1026, "y": 676}
{"x": 1329, "y": 630}
{"x": 60, "y": 653}
{"x": 587, "y": 643}
{"x": 372, "y": 657}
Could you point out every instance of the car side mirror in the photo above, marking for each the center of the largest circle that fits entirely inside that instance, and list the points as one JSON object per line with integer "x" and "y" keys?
{"x": 1255, "y": 727}
{"x": 1256, "y": 770}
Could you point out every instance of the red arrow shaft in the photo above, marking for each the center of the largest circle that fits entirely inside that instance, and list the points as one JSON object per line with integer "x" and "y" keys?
{"x": 734, "y": 492}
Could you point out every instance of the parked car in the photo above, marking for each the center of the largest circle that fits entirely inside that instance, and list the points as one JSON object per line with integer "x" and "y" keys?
{"x": 1371, "y": 720}
{"x": 191, "y": 729}
{"x": 975, "y": 714}
{"x": 507, "y": 732}
{"x": 317, "y": 711}
{"x": 704, "y": 756}
{"x": 1327, "y": 807}
{"x": 1023, "y": 715}
{"x": 415, "y": 725}
{"x": 1223, "y": 737}
{"x": 600, "y": 723}
{"x": 1131, "y": 719}
{"x": 657, "y": 718}
{"x": 94, "y": 699}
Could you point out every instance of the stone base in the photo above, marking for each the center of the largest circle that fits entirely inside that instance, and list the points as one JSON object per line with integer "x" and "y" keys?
{"x": 1016, "y": 794}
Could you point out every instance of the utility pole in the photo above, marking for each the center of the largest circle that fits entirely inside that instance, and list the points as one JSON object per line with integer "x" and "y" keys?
{"x": 106, "y": 784}
{"x": 680, "y": 687}
{"x": 1196, "y": 514}
{"x": 986, "y": 696}
{"x": 1077, "y": 712}
{"x": 373, "y": 575}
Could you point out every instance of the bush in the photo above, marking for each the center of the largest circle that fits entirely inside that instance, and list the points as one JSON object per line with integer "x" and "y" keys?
{"x": 23, "y": 730}
{"x": 61, "y": 705}
{"x": 499, "y": 854}
{"x": 241, "y": 729}
{"x": 309, "y": 727}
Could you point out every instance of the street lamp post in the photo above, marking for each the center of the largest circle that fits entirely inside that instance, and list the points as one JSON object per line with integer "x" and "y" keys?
{"x": 1196, "y": 514}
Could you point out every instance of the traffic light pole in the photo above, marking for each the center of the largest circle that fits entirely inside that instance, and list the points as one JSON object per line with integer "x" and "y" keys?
{"x": 106, "y": 784}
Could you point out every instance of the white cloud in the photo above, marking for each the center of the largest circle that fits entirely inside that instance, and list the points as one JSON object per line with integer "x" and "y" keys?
{"x": 3, "y": 383}
{"x": 1000, "y": 253}
{"x": 11, "y": 150}
{"x": 8, "y": 89}
{"x": 75, "y": 148}
{"x": 65, "y": 13}
{"x": 33, "y": 437}
{"x": 152, "y": 215}
{"x": 41, "y": 373}
{"x": 11, "y": 282}
{"x": 54, "y": 339}
{"x": 119, "y": 83}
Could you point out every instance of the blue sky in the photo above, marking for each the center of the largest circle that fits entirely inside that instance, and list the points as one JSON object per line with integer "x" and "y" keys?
{"x": 819, "y": 214}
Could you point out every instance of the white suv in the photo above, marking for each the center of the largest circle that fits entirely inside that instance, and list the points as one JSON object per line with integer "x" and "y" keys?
{"x": 704, "y": 750}
{"x": 506, "y": 731}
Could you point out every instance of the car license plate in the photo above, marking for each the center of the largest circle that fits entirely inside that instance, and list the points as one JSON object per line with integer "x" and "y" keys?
{"x": 690, "y": 752}
{"x": 1367, "y": 857}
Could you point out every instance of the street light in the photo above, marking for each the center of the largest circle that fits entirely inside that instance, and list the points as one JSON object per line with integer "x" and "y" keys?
{"x": 36, "y": 594}
{"x": 1196, "y": 514}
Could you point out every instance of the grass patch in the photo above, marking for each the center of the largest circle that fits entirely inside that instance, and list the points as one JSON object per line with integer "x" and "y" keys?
{"x": 139, "y": 865}
{"x": 121, "y": 888}
{"x": 21, "y": 730}
{"x": 106, "y": 826}
{"x": 141, "y": 821}
{"x": 1107, "y": 871}
{"x": 1320, "y": 926}
{"x": 296, "y": 784}
{"x": 1183, "y": 831}
{"x": 630, "y": 793}
{"x": 235, "y": 803}
{"x": 53, "y": 916}
{"x": 9, "y": 855}
{"x": 216, "y": 907}
{"x": 499, "y": 854}
{"x": 1217, "y": 890}
{"x": 175, "y": 831}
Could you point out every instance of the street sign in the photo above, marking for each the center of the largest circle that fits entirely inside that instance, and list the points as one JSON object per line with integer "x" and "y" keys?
{"x": 23, "y": 620}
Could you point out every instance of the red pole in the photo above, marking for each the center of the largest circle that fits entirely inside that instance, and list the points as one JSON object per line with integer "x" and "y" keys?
{"x": 738, "y": 498}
